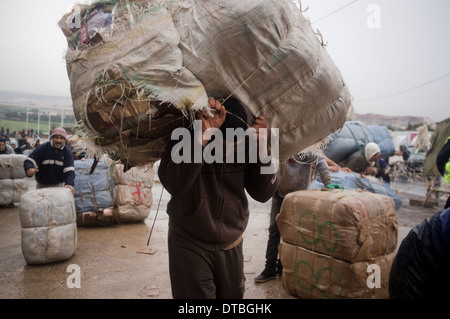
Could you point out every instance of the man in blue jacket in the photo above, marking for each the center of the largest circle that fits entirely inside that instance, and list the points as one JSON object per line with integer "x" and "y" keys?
{"x": 52, "y": 163}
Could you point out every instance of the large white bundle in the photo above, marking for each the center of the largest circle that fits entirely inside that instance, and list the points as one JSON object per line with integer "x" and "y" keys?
{"x": 266, "y": 54}
{"x": 12, "y": 189}
{"x": 21, "y": 186}
{"x": 6, "y": 192}
{"x": 133, "y": 192}
{"x": 11, "y": 166}
{"x": 131, "y": 76}
{"x": 48, "y": 220}
{"x": 125, "y": 81}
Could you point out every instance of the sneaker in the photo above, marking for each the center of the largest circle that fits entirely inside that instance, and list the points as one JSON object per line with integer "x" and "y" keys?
{"x": 266, "y": 275}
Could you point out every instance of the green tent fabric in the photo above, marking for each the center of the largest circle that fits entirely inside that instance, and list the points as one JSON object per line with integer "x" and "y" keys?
{"x": 438, "y": 139}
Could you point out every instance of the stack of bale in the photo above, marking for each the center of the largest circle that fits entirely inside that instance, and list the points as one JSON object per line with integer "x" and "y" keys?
{"x": 140, "y": 69}
{"x": 49, "y": 230}
{"x": 13, "y": 181}
{"x": 133, "y": 192}
{"x": 93, "y": 192}
{"x": 329, "y": 240}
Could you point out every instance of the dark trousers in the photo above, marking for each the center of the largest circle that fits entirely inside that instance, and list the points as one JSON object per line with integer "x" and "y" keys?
{"x": 197, "y": 273}
{"x": 274, "y": 234}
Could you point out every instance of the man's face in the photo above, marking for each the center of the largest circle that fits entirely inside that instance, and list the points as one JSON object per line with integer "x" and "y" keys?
{"x": 375, "y": 157}
{"x": 2, "y": 146}
{"x": 58, "y": 141}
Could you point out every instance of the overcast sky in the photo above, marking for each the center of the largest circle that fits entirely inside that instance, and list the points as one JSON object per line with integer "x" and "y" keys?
{"x": 393, "y": 54}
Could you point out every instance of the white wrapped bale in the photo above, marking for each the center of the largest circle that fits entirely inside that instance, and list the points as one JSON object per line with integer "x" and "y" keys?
{"x": 133, "y": 192}
{"x": 48, "y": 220}
{"x": 11, "y": 166}
{"x": 7, "y": 192}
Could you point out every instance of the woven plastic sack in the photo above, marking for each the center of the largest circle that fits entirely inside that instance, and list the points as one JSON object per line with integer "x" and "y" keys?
{"x": 265, "y": 53}
{"x": 128, "y": 84}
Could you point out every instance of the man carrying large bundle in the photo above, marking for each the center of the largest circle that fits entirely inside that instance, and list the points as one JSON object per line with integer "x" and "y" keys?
{"x": 208, "y": 211}
{"x": 52, "y": 163}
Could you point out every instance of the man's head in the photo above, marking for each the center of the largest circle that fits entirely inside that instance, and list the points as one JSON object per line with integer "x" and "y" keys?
{"x": 236, "y": 116}
{"x": 372, "y": 152}
{"x": 2, "y": 144}
{"x": 58, "y": 137}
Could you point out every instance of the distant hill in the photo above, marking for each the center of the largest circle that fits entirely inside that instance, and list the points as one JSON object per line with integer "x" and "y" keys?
{"x": 26, "y": 99}
{"x": 396, "y": 122}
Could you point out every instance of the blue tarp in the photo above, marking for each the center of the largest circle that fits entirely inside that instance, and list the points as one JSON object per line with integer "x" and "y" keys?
{"x": 355, "y": 181}
{"x": 354, "y": 135}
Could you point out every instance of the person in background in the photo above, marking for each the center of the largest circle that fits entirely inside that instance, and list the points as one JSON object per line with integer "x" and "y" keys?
{"x": 443, "y": 166}
{"x": 295, "y": 174}
{"x": 365, "y": 161}
{"x": 52, "y": 163}
{"x": 5, "y": 149}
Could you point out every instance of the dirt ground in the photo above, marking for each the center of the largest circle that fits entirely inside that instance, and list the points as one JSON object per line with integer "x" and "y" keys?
{"x": 112, "y": 268}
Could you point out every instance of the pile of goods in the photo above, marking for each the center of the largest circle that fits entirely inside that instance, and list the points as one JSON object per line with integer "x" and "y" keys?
{"x": 49, "y": 229}
{"x": 13, "y": 181}
{"x": 330, "y": 238}
{"x": 140, "y": 69}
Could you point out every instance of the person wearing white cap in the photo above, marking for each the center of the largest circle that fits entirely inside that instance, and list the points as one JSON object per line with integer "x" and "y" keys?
{"x": 52, "y": 163}
{"x": 365, "y": 161}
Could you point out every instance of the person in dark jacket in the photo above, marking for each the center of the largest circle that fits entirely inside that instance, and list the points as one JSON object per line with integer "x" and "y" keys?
{"x": 364, "y": 161}
{"x": 52, "y": 163}
{"x": 421, "y": 268}
{"x": 208, "y": 210}
{"x": 5, "y": 149}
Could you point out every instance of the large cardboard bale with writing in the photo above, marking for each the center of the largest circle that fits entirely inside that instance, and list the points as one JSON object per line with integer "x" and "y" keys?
{"x": 133, "y": 192}
{"x": 311, "y": 275}
{"x": 48, "y": 220}
{"x": 93, "y": 191}
{"x": 350, "y": 225}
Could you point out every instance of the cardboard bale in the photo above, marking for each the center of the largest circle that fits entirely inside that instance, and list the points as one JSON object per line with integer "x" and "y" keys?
{"x": 311, "y": 275}
{"x": 350, "y": 225}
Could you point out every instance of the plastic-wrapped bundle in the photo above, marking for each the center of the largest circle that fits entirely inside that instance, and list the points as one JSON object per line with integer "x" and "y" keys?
{"x": 311, "y": 275}
{"x": 382, "y": 136}
{"x": 48, "y": 220}
{"x": 92, "y": 191}
{"x": 346, "y": 224}
{"x": 129, "y": 86}
{"x": 11, "y": 166}
{"x": 151, "y": 63}
{"x": 133, "y": 192}
{"x": 266, "y": 54}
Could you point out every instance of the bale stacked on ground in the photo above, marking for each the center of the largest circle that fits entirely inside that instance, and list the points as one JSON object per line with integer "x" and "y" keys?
{"x": 139, "y": 69}
{"x": 133, "y": 192}
{"x": 342, "y": 231}
{"x": 48, "y": 220}
{"x": 13, "y": 181}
